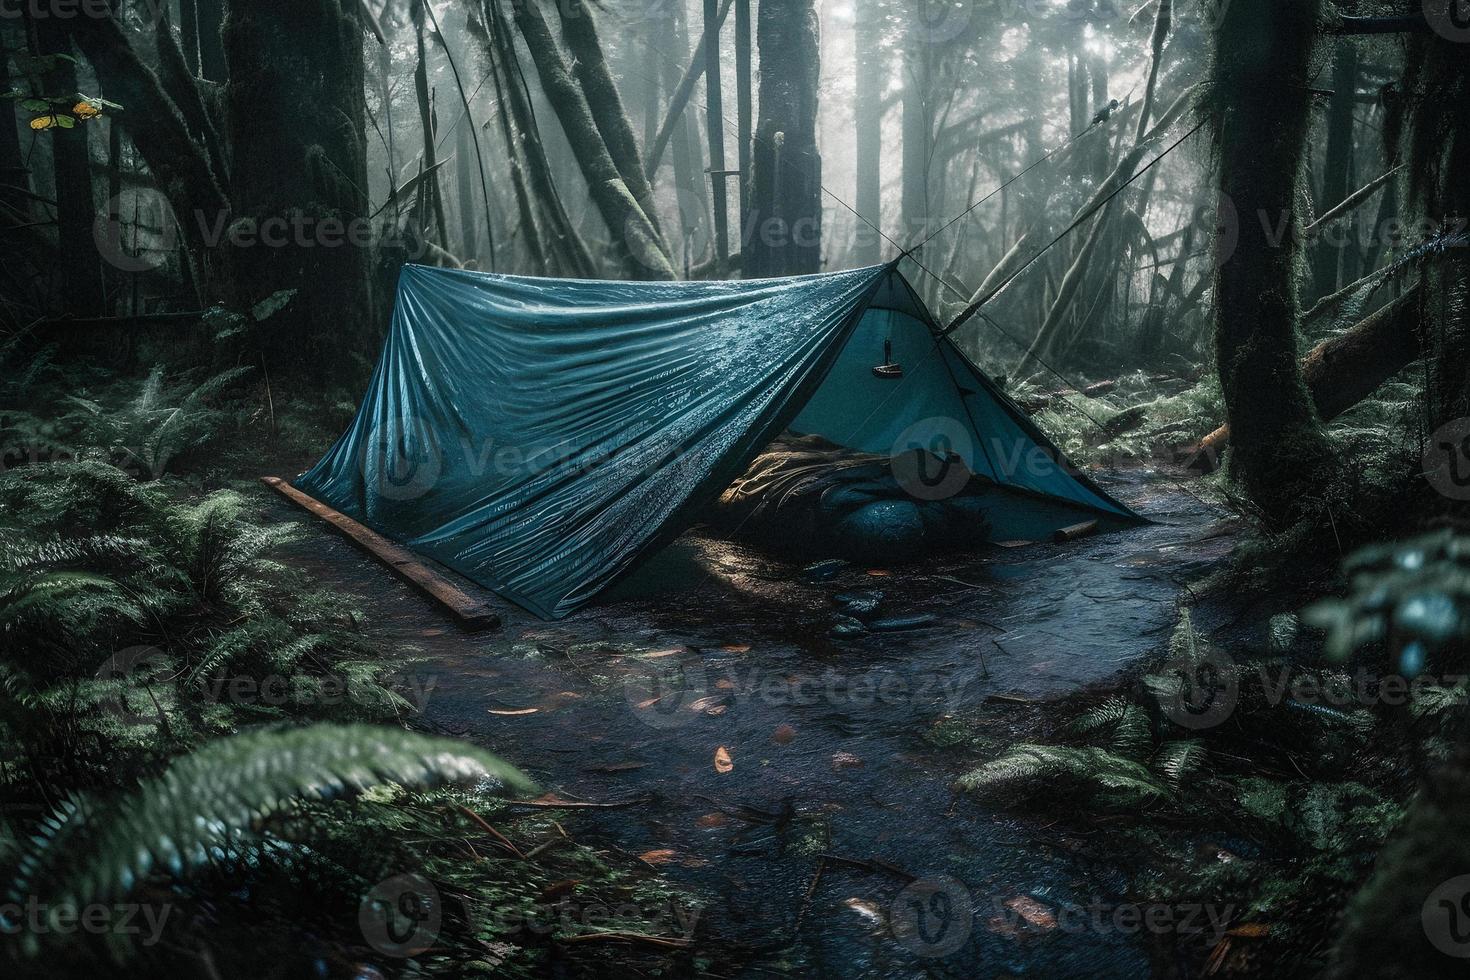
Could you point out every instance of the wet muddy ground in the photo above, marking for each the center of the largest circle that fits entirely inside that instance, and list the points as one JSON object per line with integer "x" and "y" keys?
{"x": 798, "y": 781}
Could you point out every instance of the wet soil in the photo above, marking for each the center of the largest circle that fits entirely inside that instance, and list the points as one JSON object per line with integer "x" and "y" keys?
{"x": 799, "y": 782}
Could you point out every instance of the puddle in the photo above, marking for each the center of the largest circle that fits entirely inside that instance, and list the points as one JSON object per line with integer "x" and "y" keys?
{"x": 719, "y": 647}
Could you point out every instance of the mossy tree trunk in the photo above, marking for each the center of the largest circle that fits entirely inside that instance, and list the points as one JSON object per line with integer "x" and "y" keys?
{"x": 868, "y": 127}
{"x": 296, "y": 117}
{"x": 82, "y": 265}
{"x": 1259, "y": 106}
{"x": 636, "y": 240}
{"x": 785, "y": 233}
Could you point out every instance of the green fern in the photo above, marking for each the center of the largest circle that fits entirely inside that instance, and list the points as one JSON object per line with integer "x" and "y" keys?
{"x": 150, "y": 432}
{"x": 232, "y": 789}
{"x": 1107, "y": 779}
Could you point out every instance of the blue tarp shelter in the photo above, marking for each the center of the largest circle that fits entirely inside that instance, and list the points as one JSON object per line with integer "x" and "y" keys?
{"x": 545, "y": 436}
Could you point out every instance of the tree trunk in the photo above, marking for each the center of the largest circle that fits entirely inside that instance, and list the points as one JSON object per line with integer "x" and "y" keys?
{"x": 562, "y": 237}
{"x": 1337, "y": 175}
{"x": 743, "y": 108}
{"x": 714, "y": 113}
{"x": 1345, "y": 369}
{"x": 429, "y": 124}
{"x": 468, "y": 199}
{"x": 917, "y": 137}
{"x": 680, "y": 91}
{"x": 12, "y": 165}
{"x": 691, "y": 189}
{"x": 76, "y": 210}
{"x": 1260, "y": 108}
{"x": 212, "y": 65}
{"x": 303, "y": 180}
{"x": 635, "y": 239}
{"x": 868, "y": 128}
{"x": 786, "y": 170}
{"x": 189, "y": 34}
{"x": 590, "y": 67}
{"x": 182, "y": 172}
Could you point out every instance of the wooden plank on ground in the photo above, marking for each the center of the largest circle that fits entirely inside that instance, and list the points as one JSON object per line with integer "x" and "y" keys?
{"x": 471, "y": 613}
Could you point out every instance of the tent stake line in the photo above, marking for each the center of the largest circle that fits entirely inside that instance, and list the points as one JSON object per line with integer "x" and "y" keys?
{"x": 469, "y": 612}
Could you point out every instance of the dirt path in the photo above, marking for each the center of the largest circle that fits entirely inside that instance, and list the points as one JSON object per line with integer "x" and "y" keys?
{"x": 838, "y": 745}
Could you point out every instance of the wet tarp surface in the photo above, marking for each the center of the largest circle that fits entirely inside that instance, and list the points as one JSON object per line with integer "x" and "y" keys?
{"x": 543, "y": 436}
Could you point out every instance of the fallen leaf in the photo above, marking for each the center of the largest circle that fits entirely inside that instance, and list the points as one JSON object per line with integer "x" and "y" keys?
{"x": 661, "y": 856}
{"x": 736, "y": 648}
{"x": 656, "y": 654}
{"x": 710, "y": 820}
{"x": 783, "y": 734}
{"x": 865, "y": 908}
{"x": 1251, "y": 930}
{"x": 717, "y": 710}
{"x": 513, "y": 711}
{"x": 845, "y": 760}
{"x": 649, "y": 703}
{"x": 879, "y": 572}
{"x": 724, "y": 684}
{"x": 723, "y": 762}
{"x": 1032, "y": 911}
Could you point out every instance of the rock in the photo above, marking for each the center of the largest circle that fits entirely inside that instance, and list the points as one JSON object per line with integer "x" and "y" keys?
{"x": 896, "y": 624}
{"x": 859, "y": 604}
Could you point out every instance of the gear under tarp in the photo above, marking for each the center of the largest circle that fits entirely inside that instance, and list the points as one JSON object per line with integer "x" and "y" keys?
{"x": 543, "y": 436}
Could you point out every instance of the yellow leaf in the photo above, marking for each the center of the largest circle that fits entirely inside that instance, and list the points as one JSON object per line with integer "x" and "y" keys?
{"x": 43, "y": 122}
{"x": 723, "y": 762}
{"x": 85, "y": 110}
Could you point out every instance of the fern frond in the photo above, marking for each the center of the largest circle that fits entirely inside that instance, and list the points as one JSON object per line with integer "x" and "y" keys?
{"x": 232, "y": 789}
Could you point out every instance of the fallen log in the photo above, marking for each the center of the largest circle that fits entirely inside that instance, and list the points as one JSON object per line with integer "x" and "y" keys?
{"x": 1343, "y": 370}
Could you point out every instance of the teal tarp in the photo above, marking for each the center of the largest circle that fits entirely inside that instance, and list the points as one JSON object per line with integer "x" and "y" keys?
{"x": 544, "y": 436}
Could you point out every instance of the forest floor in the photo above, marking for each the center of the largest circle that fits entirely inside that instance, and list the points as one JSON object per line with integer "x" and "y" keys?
{"x": 797, "y": 783}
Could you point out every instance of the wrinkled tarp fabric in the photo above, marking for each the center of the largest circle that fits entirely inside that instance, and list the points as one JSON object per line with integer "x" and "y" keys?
{"x": 544, "y": 436}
